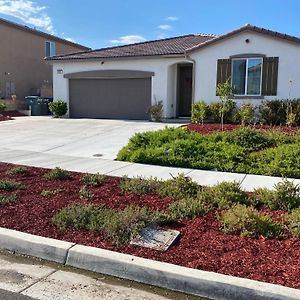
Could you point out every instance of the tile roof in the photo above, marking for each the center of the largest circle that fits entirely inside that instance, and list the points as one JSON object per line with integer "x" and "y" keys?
{"x": 170, "y": 46}
{"x": 247, "y": 27}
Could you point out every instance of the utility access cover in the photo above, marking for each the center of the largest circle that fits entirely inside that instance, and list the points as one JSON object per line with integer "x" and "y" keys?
{"x": 156, "y": 238}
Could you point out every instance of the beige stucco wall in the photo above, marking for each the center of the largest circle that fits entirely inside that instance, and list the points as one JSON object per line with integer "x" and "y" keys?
{"x": 22, "y": 55}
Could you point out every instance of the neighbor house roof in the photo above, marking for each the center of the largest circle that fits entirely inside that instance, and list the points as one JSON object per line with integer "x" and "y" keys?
{"x": 247, "y": 27}
{"x": 170, "y": 46}
{"x": 41, "y": 33}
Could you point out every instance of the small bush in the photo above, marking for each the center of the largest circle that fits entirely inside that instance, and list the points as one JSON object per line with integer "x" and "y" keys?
{"x": 18, "y": 171}
{"x": 179, "y": 187}
{"x": 84, "y": 193}
{"x": 93, "y": 179}
{"x": 7, "y": 199}
{"x": 246, "y": 221}
{"x": 49, "y": 193}
{"x": 2, "y": 107}
{"x": 293, "y": 222}
{"x": 139, "y": 185}
{"x": 199, "y": 112}
{"x": 188, "y": 208}
{"x": 247, "y": 113}
{"x": 250, "y": 139}
{"x": 215, "y": 111}
{"x": 156, "y": 111}
{"x": 58, "y": 108}
{"x": 285, "y": 196}
{"x": 10, "y": 185}
{"x": 273, "y": 112}
{"x": 79, "y": 216}
{"x": 127, "y": 224}
{"x": 119, "y": 226}
{"x": 224, "y": 194}
{"x": 58, "y": 174}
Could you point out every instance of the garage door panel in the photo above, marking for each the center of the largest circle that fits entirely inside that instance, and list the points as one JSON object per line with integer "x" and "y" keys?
{"x": 110, "y": 98}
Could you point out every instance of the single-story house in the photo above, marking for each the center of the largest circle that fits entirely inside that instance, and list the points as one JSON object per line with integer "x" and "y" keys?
{"x": 122, "y": 82}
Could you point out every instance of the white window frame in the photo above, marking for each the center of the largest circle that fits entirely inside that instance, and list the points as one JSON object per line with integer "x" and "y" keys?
{"x": 52, "y": 48}
{"x": 246, "y": 78}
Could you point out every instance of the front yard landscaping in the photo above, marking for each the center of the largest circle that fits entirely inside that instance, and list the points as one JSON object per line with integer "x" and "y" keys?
{"x": 273, "y": 151}
{"x": 223, "y": 228}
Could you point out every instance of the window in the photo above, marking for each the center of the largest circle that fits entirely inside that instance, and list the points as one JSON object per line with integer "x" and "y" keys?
{"x": 50, "y": 49}
{"x": 246, "y": 76}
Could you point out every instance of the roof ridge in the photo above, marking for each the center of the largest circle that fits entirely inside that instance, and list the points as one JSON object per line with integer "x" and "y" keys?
{"x": 245, "y": 27}
{"x": 151, "y": 41}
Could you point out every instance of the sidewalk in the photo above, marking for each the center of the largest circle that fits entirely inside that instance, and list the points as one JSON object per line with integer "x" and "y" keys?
{"x": 119, "y": 169}
{"x": 24, "y": 278}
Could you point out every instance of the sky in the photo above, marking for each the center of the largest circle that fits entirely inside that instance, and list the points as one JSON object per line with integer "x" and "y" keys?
{"x": 106, "y": 23}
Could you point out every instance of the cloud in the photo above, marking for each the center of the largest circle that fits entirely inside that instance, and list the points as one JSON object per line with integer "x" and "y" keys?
{"x": 172, "y": 18}
{"x": 70, "y": 39}
{"x": 129, "y": 39}
{"x": 28, "y": 12}
{"x": 162, "y": 36}
{"x": 165, "y": 27}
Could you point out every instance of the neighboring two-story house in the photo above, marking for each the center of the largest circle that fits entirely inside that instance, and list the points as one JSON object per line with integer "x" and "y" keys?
{"x": 23, "y": 70}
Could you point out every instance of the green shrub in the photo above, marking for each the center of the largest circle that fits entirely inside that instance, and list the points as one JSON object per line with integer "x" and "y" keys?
{"x": 84, "y": 193}
{"x": 246, "y": 113}
{"x": 10, "y": 185}
{"x": 250, "y": 139}
{"x": 273, "y": 112}
{"x": 285, "y": 196}
{"x": 58, "y": 174}
{"x": 93, "y": 179}
{"x": 2, "y": 107}
{"x": 4, "y": 199}
{"x": 243, "y": 150}
{"x": 79, "y": 216}
{"x": 293, "y": 222}
{"x": 58, "y": 108}
{"x": 187, "y": 208}
{"x": 246, "y": 221}
{"x": 214, "y": 111}
{"x": 225, "y": 194}
{"x": 282, "y": 161}
{"x": 49, "y": 193}
{"x": 127, "y": 224}
{"x": 139, "y": 185}
{"x": 119, "y": 226}
{"x": 199, "y": 112}
{"x": 179, "y": 187}
{"x": 18, "y": 171}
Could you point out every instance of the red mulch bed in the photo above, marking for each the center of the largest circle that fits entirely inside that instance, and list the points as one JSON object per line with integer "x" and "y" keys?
{"x": 216, "y": 127}
{"x": 10, "y": 114}
{"x": 202, "y": 245}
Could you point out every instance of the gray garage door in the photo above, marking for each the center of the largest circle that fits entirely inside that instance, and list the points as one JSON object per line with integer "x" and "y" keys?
{"x": 125, "y": 98}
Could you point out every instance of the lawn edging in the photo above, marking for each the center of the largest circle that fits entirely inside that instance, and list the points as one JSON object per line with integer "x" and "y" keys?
{"x": 165, "y": 275}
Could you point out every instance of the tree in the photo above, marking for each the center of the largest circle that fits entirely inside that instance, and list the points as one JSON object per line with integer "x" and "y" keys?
{"x": 225, "y": 93}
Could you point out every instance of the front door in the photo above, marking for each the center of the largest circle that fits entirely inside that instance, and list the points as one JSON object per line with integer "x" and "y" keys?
{"x": 185, "y": 87}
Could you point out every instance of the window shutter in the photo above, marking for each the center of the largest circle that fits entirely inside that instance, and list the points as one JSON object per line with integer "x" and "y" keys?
{"x": 223, "y": 70}
{"x": 270, "y": 76}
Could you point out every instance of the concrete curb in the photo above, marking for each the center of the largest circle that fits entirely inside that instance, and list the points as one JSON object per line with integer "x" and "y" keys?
{"x": 33, "y": 245}
{"x": 173, "y": 277}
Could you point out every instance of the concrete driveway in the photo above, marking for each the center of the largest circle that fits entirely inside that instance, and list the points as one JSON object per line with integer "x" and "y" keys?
{"x": 72, "y": 137}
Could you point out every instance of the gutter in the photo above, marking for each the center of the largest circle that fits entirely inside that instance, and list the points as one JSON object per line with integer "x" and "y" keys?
{"x": 187, "y": 57}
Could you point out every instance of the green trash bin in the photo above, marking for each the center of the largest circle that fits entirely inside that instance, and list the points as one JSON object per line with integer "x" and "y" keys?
{"x": 38, "y": 106}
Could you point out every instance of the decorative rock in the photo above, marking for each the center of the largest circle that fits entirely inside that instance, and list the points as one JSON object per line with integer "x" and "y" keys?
{"x": 156, "y": 238}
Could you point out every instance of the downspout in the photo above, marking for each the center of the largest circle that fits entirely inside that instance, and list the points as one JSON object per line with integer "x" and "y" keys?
{"x": 187, "y": 57}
